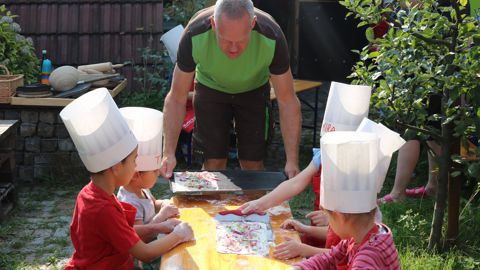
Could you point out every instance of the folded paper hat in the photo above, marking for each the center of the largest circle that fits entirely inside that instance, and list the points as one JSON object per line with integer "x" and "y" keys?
{"x": 349, "y": 171}
{"x": 98, "y": 130}
{"x": 390, "y": 141}
{"x": 346, "y": 107}
{"x": 147, "y": 126}
{"x": 171, "y": 39}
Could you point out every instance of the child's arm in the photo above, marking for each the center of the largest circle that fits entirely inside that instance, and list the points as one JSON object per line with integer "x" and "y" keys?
{"x": 318, "y": 218}
{"x": 326, "y": 260}
{"x": 167, "y": 211}
{"x": 292, "y": 248}
{"x": 282, "y": 192}
{"x": 160, "y": 203}
{"x": 147, "y": 232}
{"x": 148, "y": 252}
{"x": 313, "y": 231}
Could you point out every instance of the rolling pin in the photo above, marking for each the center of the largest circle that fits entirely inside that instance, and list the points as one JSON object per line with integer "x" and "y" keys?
{"x": 102, "y": 67}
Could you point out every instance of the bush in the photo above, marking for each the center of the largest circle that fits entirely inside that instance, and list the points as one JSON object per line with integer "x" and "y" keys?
{"x": 16, "y": 51}
{"x": 152, "y": 80}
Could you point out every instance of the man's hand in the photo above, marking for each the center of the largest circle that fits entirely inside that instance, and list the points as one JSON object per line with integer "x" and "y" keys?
{"x": 318, "y": 218}
{"x": 184, "y": 232}
{"x": 251, "y": 207}
{"x": 168, "y": 164}
{"x": 291, "y": 169}
{"x": 167, "y": 211}
{"x": 289, "y": 249}
{"x": 295, "y": 225}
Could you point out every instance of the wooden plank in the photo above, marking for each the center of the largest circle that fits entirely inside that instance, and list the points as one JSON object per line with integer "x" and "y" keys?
{"x": 4, "y": 190}
{"x": 6, "y": 128}
{"x": 201, "y": 254}
{"x": 118, "y": 88}
{"x": 4, "y": 157}
{"x": 58, "y": 102}
{"x": 299, "y": 86}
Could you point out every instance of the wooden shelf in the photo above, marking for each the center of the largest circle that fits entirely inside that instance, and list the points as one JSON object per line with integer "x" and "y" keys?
{"x": 58, "y": 102}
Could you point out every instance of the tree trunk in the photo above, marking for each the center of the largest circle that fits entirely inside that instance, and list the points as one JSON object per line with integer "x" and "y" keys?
{"x": 454, "y": 194}
{"x": 444, "y": 163}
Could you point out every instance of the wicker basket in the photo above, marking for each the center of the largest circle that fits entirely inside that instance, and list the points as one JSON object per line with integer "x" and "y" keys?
{"x": 8, "y": 85}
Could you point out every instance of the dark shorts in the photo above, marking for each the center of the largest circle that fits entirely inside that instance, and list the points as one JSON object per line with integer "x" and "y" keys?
{"x": 215, "y": 114}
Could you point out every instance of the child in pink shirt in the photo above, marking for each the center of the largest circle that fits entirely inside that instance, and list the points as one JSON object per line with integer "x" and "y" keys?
{"x": 350, "y": 181}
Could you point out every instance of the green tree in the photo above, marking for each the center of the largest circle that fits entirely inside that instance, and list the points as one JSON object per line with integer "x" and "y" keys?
{"x": 428, "y": 50}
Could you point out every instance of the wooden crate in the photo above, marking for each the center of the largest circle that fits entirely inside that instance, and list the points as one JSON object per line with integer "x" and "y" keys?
{"x": 8, "y": 131}
{"x": 8, "y": 85}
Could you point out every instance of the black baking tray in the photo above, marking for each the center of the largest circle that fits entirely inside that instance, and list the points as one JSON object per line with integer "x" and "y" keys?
{"x": 238, "y": 181}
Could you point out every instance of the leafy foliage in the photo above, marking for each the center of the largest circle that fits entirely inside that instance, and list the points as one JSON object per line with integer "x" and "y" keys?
{"x": 152, "y": 78}
{"x": 428, "y": 50}
{"x": 16, "y": 52}
{"x": 153, "y": 74}
{"x": 182, "y": 10}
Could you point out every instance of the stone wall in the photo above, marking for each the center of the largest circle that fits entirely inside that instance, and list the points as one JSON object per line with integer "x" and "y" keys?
{"x": 43, "y": 148}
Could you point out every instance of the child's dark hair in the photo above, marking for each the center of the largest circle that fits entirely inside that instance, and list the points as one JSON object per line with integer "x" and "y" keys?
{"x": 102, "y": 171}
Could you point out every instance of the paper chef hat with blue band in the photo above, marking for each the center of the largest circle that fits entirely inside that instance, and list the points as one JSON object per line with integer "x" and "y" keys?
{"x": 349, "y": 171}
{"x": 147, "y": 126}
{"x": 98, "y": 130}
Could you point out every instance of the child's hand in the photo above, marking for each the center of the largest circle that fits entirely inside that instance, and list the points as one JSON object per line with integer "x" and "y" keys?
{"x": 318, "y": 218}
{"x": 251, "y": 207}
{"x": 167, "y": 211}
{"x": 289, "y": 249}
{"x": 290, "y": 224}
{"x": 169, "y": 225}
{"x": 184, "y": 232}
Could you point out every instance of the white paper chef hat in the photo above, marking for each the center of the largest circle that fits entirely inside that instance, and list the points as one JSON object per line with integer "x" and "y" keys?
{"x": 390, "y": 142}
{"x": 346, "y": 107}
{"x": 147, "y": 126}
{"x": 171, "y": 39}
{"x": 349, "y": 171}
{"x": 98, "y": 130}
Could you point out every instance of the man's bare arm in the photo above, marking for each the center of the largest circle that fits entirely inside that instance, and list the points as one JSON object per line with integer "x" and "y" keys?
{"x": 290, "y": 119}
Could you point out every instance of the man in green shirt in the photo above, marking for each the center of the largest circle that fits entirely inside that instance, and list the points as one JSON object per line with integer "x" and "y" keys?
{"x": 233, "y": 50}
{"x": 475, "y": 9}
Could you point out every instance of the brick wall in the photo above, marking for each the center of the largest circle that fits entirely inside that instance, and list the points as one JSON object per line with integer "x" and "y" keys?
{"x": 43, "y": 148}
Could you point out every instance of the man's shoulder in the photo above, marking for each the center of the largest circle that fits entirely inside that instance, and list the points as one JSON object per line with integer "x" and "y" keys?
{"x": 266, "y": 25}
{"x": 200, "y": 22}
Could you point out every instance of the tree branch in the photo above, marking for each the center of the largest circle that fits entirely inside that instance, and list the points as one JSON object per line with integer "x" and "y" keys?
{"x": 436, "y": 136}
{"x": 431, "y": 40}
{"x": 390, "y": 19}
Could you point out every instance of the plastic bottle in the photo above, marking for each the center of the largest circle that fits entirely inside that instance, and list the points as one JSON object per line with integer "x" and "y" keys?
{"x": 46, "y": 68}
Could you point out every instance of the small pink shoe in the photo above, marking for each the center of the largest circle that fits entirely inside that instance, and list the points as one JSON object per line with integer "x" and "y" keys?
{"x": 418, "y": 192}
{"x": 386, "y": 199}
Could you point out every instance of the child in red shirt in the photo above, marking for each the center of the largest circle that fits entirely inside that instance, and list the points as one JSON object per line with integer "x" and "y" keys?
{"x": 102, "y": 227}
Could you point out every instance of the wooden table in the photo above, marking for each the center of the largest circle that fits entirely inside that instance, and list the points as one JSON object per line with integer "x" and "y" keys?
{"x": 200, "y": 211}
{"x": 59, "y": 102}
{"x": 300, "y": 86}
